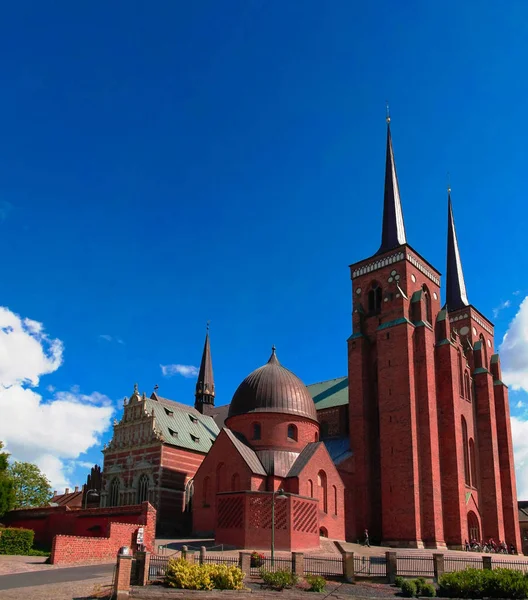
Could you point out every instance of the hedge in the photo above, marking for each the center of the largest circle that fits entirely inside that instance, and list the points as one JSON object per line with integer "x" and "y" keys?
{"x": 476, "y": 583}
{"x": 15, "y": 540}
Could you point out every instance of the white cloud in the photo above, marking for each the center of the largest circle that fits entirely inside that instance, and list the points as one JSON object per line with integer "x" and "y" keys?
{"x": 520, "y": 449}
{"x": 109, "y": 338}
{"x": 514, "y": 350}
{"x": 50, "y": 389}
{"x": 519, "y": 404}
{"x": 502, "y": 306}
{"x": 185, "y": 370}
{"x": 50, "y": 432}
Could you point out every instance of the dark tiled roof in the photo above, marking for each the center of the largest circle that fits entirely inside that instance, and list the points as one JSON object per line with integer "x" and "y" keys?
{"x": 277, "y": 462}
{"x": 303, "y": 459}
{"x": 273, "y": 388}
{"x": 247, "y": 453}
{"x": 219, "y": 414}
{"x": 73, "y": 499}
{"x": 327, "y": 394}
{"x": 523, "y": 510}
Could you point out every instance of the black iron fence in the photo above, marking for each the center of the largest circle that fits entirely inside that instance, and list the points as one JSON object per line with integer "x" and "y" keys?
{"x": 327, "y": 566}
{"x": 370, "y": 566}
{"x": 157, "y": 567}
{"x": 510, "y": 564}
{"x": 412, "y": 565}
{"x": 224, "y": 559}
{"x": 459, "y": 563}
{"x": 278, "y": 563}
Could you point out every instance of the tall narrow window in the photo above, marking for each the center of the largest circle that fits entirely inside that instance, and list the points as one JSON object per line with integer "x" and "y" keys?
{"x": 465, "y": 445}
{"x": 460, "y": 373}
{"x": 473, "y": 463}
{"x": 335, "y": 499}
{"x": 292, "y": 432}
{"x": 143, "y": 489}
{"x": 467, "y": 386}
{"x": 310, "y": 488}
{"x": 427, "y": 304}
{"x": 484, "y": 351}
{"x": 256, "y": 431}
{"x": 114, "y": 492}
{"x": 323, "y": 492}
{"x": 374, "y": 298}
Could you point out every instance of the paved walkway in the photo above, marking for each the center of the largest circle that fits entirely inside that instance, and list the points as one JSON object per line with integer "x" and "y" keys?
{"x": 52, "y": 576}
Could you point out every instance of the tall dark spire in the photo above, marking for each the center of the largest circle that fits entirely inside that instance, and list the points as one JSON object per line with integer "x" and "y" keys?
{"x": 393, "y": 234}
{"x": 456, "y": 296}
{"x": 205, "y": 389}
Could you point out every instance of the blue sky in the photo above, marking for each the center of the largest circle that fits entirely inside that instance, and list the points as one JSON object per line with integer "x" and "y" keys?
{"x": 167, "y": 164}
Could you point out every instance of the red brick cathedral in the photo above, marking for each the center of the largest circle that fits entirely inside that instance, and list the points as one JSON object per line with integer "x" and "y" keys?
{"x": 429, "y": 414}
{"x": 416, "y": 439}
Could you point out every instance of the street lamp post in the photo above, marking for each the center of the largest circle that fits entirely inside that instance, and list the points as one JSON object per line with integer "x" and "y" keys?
{"x": 281, "y": 496}
{"x": 93, "y": 492}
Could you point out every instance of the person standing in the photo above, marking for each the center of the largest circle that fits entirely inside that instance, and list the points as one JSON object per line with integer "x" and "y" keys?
{"x": 366, "y": 542}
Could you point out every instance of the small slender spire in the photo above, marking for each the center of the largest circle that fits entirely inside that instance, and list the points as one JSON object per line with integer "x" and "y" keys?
{"x": 273, "y": 358}
{"x": 456, "y": 296}
{"x": 205, "y": 389}
{"x": 393, "y": 233}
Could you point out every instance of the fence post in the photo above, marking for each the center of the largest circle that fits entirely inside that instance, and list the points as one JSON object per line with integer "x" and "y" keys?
{"x": 486, "y": 562}
{"x": 244, "y": 562}
{"x": 392, "y": 566}
{"x": 122, "y": 577}
{"x": 298, "y": 563}
{"x": 202, "y": 554}
{"x": 184, "y": 552}
{"x": 348, "y": 566}
{"x": 438, "y": 566}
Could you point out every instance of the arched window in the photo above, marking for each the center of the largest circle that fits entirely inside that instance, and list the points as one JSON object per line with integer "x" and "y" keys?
{"x": 465, "y": 448}
{"x": 114, "y": 492}
{"x": 460, "y": 373}
{"x": 323, "y": 492}
{"x": 467, "y": 386}
{"x": 143, "y": 489}
{"x": 473, "y": 527}
{"x": 220, "y": 477}
{"x": 473, "y": 463}
{"x": 205, "y": 491}
{"x": 189, "y": 493}
{"x": 427, "y": 304}
{"x": 292, "y": 432}
{"x": 484, "y": 351}
{"x": 256, "y": 431}
{"x": 310, "y": 488}
{"x": 235, "y": 482}
{"x": 335, "y": 499}
{"x": 374, "y": 298}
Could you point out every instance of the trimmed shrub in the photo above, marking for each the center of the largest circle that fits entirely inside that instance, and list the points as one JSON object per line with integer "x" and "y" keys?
{"x": 279, "y": 579}
{"x": 317, "y": 583}
{"x": 408, "y": 588}
{"x": 428, "y": 590}
{"x": 189, "y": 576}
{"x": 419, "y": 582}
{"x": 474, "y": 583}
{"x": 15, "y": 540}
{"x": 398, "y": 582}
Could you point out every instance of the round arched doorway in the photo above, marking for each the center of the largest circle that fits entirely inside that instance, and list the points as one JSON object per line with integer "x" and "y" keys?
{"x": 473, "y": 527}
{"x": 323, "y": 532}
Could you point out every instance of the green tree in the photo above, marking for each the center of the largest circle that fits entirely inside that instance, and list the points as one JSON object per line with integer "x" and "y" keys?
{"x": 31, "y": 486}
{"x": 7, "y": 492}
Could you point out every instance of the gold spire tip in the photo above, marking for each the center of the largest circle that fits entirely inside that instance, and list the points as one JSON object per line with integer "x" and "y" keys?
{"x": 387, "y": 117}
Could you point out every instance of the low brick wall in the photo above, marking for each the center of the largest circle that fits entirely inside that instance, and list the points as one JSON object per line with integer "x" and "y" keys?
{"x": 69, "y": 549}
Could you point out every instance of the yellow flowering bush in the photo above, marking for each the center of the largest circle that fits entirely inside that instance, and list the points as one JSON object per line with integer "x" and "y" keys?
{"x": 191, "y": 576}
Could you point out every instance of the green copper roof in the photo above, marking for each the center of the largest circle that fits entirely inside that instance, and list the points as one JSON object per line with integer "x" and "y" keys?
{"x": 182, "y": 425}
{"x": 327, "y": 394}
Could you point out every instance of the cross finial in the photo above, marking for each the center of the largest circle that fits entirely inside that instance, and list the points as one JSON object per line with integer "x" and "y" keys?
{"x": 156, "y": 387}
{"x": 273, "y": 348}
{"x": 387, "y": 117}
{"x": 207, "y": 326}
{"x": 136, "y": 391}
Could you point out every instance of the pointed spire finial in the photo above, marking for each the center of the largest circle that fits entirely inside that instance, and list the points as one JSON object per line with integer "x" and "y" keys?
{"x": 205, "y": 389}
{"x": 136, "y": 390}
{"x": 207, "y": 326}
{"x": 387, "y": 117}
{"x": 393, "y": 232}
{"x": 456, "y": 295}
{"x": 273, "y": 358}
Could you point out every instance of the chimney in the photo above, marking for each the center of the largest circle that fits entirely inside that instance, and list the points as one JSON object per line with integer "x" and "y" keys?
{"x": 54, "y": 492}
{"x": 76, "y": 488}
{"x": 67, "y": 491}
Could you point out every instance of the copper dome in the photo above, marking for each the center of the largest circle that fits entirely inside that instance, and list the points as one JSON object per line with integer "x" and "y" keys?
{"x": 272, "y": 388}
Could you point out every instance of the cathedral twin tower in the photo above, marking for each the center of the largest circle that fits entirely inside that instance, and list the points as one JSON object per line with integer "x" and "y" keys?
{"x": 429, "y": 414}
